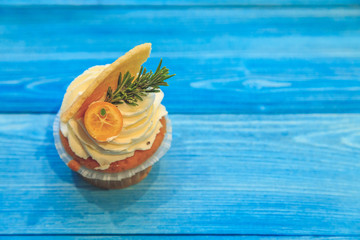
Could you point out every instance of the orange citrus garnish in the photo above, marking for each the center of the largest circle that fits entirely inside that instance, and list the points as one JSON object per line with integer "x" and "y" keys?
{"x": 103, "y": 120}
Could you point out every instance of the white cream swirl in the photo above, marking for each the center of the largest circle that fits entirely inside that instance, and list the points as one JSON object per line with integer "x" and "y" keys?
{"x": 140, "y": 125}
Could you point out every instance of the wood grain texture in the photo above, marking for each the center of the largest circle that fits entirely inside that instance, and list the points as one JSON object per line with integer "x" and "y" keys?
{"x": 227, "y": 60}
{"x": 225, "y": 174}
{"x": 172, "y": 237}
{"x": 186, "y": 3}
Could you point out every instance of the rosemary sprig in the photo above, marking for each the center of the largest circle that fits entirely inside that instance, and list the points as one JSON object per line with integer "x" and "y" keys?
{"x": 129, "y": 91}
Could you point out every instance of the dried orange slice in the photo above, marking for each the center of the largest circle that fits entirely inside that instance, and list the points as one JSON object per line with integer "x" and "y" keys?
{"x": 103, "y": 120}
{"x": 108, "y": 77}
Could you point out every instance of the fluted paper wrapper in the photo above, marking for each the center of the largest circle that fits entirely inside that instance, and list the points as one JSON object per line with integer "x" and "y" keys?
{"x": 93, "y": 174}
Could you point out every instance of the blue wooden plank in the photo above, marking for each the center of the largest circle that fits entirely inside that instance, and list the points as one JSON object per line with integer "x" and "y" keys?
{"x": 225, "y": 174}
{"x": 170, "y": 237}
{"x": 253, "y": 60}
{"x": 247, "y": 85}
{"x": 231, "y": 3}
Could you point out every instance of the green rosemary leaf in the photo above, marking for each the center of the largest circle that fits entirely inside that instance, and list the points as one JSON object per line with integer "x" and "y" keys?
{"x": 119, "y": 80}
{"x": 129, "y": 91}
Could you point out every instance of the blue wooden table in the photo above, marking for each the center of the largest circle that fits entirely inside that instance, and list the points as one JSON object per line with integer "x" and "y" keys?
{"x": 265, "y": 109}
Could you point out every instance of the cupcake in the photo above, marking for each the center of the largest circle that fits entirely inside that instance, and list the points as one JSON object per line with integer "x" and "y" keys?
{"x": 112, "y": 127}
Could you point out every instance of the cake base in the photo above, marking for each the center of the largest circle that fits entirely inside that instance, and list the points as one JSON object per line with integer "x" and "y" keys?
{"x": 139, "y": 157}
{"x": 106, "y": 180}
{"x": 124, "y": 183}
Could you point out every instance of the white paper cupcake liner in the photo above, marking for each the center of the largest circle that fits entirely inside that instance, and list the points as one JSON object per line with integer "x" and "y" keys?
{"x": 92, "y": 174}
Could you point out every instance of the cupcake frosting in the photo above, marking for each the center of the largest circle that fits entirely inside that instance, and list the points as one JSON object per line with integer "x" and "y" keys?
{"x": 140, "y": 125}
